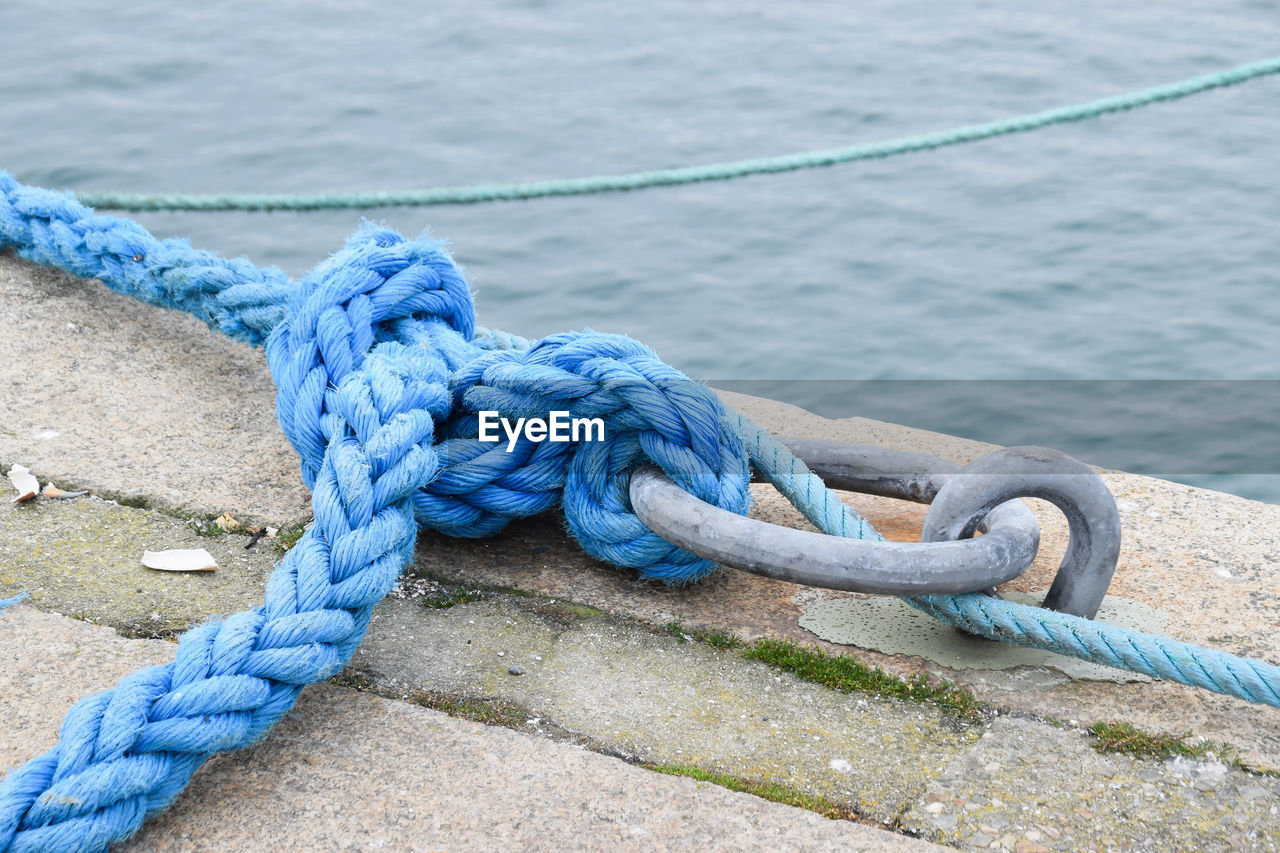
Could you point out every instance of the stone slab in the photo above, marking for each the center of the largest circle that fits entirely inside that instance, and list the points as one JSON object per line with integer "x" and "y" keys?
{"x": 659, "y": 699}
{"x": 100, "y": 391}
{"x": 1022, "y": 778}
{"x": 134, "y": 401}
{"x": 82, "y": 557}
{"x": 348, "y": 771}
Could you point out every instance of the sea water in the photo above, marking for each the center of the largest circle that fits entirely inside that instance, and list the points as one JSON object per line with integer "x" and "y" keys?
{"x": 1140, "y": 246}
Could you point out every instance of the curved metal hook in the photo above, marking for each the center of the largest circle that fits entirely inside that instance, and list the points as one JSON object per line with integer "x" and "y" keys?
{"x": 1008, "y": 547}
{"x": 1037, "y": 472}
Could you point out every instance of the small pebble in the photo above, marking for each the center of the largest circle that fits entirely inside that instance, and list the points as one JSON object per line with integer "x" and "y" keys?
{"x": 516, "y": 670}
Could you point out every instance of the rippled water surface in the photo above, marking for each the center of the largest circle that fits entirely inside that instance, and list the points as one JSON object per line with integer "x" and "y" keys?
{"x": 1137, "y": 246}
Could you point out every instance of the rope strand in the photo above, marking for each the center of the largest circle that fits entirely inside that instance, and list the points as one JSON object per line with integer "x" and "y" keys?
{"x": 626, "y": 182}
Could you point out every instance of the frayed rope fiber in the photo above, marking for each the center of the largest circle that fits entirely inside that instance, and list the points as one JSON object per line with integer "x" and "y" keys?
{"x": 380, "y": 373}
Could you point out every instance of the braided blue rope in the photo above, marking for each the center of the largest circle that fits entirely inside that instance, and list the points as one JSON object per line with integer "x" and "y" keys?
{"x": 379, "y": 377}
{"x": 233, "y": 296}
{"x": 380, "y": 374}
{"x": 691, "y": 174}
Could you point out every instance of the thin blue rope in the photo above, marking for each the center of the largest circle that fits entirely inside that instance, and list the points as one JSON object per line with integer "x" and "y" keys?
{"x": 688, "y": 174}
{"x": 1086, "y": 639}
{"x": 380, "y": 374}
{"x": 1007, "y": 621}
{"x": 804, "y": 489}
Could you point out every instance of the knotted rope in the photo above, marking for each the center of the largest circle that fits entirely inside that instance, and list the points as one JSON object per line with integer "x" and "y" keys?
{"x": 380, "y": 372}
{"x": 375, "y": 360}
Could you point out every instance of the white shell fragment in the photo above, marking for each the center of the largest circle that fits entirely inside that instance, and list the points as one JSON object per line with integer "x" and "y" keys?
{"x": 180, "y": 560}
{"x": 27, "y": 485}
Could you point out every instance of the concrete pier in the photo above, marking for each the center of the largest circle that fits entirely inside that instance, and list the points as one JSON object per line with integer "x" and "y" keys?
{"x": 586, "y": 674}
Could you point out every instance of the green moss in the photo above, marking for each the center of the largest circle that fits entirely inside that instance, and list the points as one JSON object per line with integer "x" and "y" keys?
{"x": 135, "y": 501}
{"x": 677, "y": 630}
{"x": 764, "y": 790}
{"x": 582, "y": 611}
{"x": 561, "y": 613}
{"x": 288, "y": 536}
{"x": 717, "y": 638}
{"x": 714, "y": 637}
{"x": 353, "y": 680}
{"x": 491, "y": 712}
{"x": 1126, "y": 738}
{"x": 848, "y": 674}
{"x": 447, "y": 598}
{"x": 206, "y": 525}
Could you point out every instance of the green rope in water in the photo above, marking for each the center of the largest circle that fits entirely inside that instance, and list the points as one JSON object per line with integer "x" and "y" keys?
{"x": 687, "y": 174}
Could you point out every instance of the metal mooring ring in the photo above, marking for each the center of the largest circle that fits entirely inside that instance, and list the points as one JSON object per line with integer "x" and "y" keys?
{"x": 1037, "y": 472}
{"x": 1011, "y": 533}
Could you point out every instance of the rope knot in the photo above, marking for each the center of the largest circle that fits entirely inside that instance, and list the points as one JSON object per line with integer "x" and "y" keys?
{"x": 651, "y": 413}
{"x": 379, "y": 277}
{"x": 359, "y": 299}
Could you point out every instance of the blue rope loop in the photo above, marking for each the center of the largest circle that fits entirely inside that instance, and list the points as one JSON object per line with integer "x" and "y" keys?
{"x": 380, "y": 374}
{"x": 650, "y": 411}
{"x": 350, "y": 302}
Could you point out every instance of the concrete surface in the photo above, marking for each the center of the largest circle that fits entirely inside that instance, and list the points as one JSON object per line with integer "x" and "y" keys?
{"x": 82, "y": 557}
{"x": 132, "y": 401}
{"x": 1023, "y": 778}
{"x": 656, "y": 700}
{"x": 350, "y": 771}
{"x": 103, "y": 392}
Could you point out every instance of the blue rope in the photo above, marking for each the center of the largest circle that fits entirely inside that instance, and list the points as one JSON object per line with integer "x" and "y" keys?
{"x": 1007, "y": 621}
{"x": 688, "y": 174}
{"x": 380, "y": 374}
{"x": 805, "y": 490}
{"x": 1098, "y": 642}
